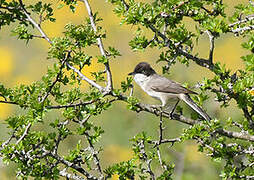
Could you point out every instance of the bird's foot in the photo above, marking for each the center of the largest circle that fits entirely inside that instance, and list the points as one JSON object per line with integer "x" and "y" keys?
{"x": 156, "y": 108}
{"x": 171, "y": 115}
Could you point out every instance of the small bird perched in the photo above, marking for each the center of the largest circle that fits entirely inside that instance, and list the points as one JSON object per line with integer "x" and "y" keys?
{"x": 164, "y": 89}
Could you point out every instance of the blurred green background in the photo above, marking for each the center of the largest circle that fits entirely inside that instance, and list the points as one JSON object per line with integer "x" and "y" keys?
{"x": 23, "y": 64}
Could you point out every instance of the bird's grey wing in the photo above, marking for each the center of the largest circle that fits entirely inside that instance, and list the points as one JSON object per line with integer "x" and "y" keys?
{"x": 162, "y": 84}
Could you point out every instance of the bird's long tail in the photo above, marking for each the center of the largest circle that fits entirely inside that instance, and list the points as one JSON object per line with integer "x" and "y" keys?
{"x": 186, "y": 98}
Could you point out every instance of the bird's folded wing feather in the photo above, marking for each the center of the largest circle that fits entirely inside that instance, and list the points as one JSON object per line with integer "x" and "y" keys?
{"x": 162, "y": 84}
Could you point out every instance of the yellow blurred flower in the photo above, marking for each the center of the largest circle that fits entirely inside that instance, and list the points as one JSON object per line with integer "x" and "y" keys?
{"x": 6, "y": 62}
{"x": 192, "y": 154}
{"x": 22, "y": 79}
{"x": 251, "y": 92}
{"x": 115, "y": 154}
{"x": 115, "y": 177}
{"x": 230, "y": 57}
{"x": 5, "y": 111}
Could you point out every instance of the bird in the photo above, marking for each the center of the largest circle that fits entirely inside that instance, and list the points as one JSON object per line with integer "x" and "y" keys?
{"x": 164, "y": 89}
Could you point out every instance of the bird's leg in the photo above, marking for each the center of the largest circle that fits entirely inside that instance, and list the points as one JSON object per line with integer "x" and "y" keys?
{"x": 160, "y": 126}
{"x": 172, "y": 112}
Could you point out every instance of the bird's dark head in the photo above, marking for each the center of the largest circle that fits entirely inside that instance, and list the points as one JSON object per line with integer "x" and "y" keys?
{"x": 143, "y": 68}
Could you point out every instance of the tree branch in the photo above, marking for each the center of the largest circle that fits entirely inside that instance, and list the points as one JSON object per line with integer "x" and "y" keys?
{"x": 64, "y": 173}
{"x": 246, "y": 19}
{"x": 9, "y": 102}
{"x": 189, "y": 121}
{"x": 25, "y": 133}
{"x": 237, "y": 135}
{"x": 83, "y": 77}
{"x": 146, "y": 159}
{"x": 57, "y": 77}
{"x": 95, "y": 157}
{"x": 200, "y": 61}
{"x": 71, "y": 105}
{"x": 46, "y": 38}
{"x": 5, "y": 143}
{"x": 211, "y": 38}
{"x": 74, "y": 166}
{"x": 37, "y": 26}
{"x": 101, "y": 47}
{"x": 241, "y": 30}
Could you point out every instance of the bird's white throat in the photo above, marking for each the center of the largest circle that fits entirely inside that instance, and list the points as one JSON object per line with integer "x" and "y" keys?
{"x": 141, "y": 79}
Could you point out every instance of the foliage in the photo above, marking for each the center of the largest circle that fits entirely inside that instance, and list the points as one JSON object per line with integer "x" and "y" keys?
{"x": 36, "y": 153}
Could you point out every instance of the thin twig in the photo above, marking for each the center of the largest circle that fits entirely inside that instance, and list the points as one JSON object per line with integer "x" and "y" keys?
{"x": 25, "y": 133}
{"x": 101, "y": 47}
{"x": 85, "y": 120}
{"x": 204, "y": 144}
{"x": 57, "y": 77}
{"x": 246, "y": 19}
{"x": 243, "y": 29}
{"x": 146, "y": 159}
{"x": 70, "y": 105}
{"x": 47, "y": 38}
{"x": 83, "y": 77}
{"x": 160, "y": 159}
{"x": 160, "y": 128}
{"x": 67, "y": 175}
{"x": 211, "y": 38}
{"x": 164, "y": 141}
{"x": 74, "y": 166}
{"x": 37, "y": 26}
{"x": 9, "y": 102}
{"x": 95, "y": 157}
{"x": 7, "y": 141}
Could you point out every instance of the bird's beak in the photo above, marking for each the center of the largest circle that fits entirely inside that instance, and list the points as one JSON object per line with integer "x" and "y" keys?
{"x": 132, "y": 73}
